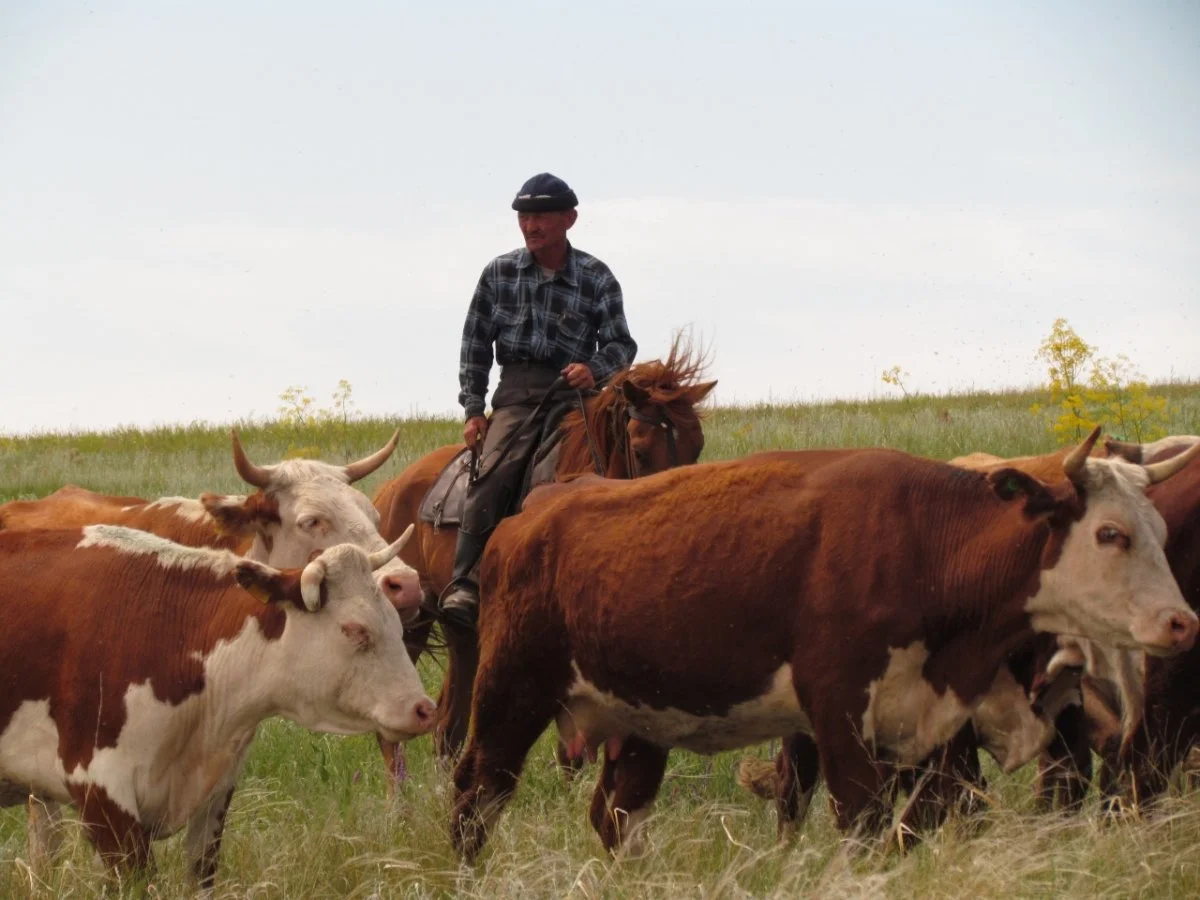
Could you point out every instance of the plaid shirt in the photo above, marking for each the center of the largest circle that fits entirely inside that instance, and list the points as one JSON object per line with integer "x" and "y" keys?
{"x": 576, "y": 316}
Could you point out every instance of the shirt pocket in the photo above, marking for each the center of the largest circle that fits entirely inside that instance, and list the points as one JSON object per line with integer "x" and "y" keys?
{"x": 572, "y": 326}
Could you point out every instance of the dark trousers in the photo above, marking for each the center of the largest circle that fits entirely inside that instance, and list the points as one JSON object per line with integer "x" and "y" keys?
{"x": 518, "y": 423}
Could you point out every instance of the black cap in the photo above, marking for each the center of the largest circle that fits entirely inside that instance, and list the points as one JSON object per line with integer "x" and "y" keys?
{"x": 544, "y": 193}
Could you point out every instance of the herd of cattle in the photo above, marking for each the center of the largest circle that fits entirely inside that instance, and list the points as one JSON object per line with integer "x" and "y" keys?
{"x": 886, "y": 615}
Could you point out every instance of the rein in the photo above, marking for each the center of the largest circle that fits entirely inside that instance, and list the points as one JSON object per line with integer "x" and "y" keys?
{"x": 597, "y": 462}
{"x": 503, "y": 449}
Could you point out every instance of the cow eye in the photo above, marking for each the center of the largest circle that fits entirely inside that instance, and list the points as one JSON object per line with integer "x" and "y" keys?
{"x": 1110, "y": 534}
{"x": 308, "y": 523}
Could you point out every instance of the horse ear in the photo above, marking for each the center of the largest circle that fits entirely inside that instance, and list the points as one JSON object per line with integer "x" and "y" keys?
{"x": 698, "y": 392}
{"x": 634, "y": 394}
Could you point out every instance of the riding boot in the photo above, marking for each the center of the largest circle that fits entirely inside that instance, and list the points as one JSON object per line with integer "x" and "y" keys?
{"x": 459, "y": 602}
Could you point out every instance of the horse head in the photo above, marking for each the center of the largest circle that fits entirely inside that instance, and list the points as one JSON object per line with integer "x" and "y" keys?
{"x": 644, "y": 421}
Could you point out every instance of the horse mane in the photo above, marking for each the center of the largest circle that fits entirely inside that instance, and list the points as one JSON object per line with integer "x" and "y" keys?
{"x": 667, "y": 382}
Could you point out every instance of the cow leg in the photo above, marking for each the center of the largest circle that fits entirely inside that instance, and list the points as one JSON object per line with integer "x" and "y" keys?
{"x": 118, "y": 837}
{"x": 393, "y": 762}
{"x": 569, "y": 763}
{"x": 205, "y": 831}
{"x": 854, "y": 777}
{"x": 1111, "y": 783}
{"x": 416, "y": 641}
{"x": 510, "y": 714}
{"x": 626, "y": 790}
{"x": 1065, "y": 766}
{"x": 43, "y": 831}
{"x": 797, "y": 770}
{"x": 207, "y": 825}
{"x": 949, "y": 783}
{"x": 454, "y": 704}
{"x": 1157, "y": 746}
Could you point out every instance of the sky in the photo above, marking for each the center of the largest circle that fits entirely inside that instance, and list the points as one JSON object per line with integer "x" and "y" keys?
{"x": 203, "y": 204}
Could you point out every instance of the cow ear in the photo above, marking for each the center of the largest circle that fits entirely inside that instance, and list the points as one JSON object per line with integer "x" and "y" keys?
{"x": 269, "y": 585}
{"x": 1130, "y": 452}
{"x": 241, "y": 516}
{"x": 1012, "y": 484}
{"x": 634, "y": 394}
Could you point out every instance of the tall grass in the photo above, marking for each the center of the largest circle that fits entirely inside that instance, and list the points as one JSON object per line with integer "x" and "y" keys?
{"x": 310, "y": 818}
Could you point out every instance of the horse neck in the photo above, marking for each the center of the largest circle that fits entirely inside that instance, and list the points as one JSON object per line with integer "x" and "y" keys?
{"x": 603, "y": 420}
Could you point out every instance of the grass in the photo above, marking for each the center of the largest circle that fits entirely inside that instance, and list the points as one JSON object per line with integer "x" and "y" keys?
{"x": 310, "y": 818}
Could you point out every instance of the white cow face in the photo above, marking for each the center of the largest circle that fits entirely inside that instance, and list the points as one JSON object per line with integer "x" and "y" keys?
{"x": 306, "y": 506}
{"x": 1112, "y": 582}
{"x": 343, "y": 665}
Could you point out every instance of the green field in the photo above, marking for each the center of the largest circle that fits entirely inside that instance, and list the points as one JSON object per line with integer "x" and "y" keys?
{"x": 311, "y": 820}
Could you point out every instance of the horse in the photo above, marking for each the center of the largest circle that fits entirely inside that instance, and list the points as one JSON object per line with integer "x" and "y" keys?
{"x": 644, "y": 420}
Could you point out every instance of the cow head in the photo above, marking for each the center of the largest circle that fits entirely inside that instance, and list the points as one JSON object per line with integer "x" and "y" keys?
{"x": 1110, "y": 580}
{"x": 343, "y": 667}
{"x": 304, "y": 506}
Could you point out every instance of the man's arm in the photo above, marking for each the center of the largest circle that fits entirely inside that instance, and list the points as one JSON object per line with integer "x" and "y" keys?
{"x": 617, "y": 347}
{"x": 475, "y": 356}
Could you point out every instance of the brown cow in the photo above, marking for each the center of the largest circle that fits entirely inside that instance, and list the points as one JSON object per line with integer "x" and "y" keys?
{"x": 136, "y": 670}
{"x": 301, "y": 506}
{"x": 870, "y": 601}
{"x": 1006, "y": 723}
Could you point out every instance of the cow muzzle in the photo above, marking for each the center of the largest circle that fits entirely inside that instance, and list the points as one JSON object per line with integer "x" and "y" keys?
{"x": 419, "y": 718}
{"x": 1167, "y": 633}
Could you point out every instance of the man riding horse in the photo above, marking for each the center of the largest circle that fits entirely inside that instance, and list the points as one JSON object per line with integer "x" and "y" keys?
{"x": 557, "y": 321}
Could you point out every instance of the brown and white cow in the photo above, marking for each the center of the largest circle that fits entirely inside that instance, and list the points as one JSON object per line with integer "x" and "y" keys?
{"x": 1035, "y": 703}
{"x": 869, "y": 602}
{"x": 1145, "y": 742}
{"x": 136, "y": 670}
{"x": 302, "y": 506}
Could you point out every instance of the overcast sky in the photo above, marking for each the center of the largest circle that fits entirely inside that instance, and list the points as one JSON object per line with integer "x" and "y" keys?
{"x": 205, "y": 203}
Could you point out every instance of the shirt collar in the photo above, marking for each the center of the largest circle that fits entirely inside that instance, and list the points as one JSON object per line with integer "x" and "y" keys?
{"x": 568, "y": 273}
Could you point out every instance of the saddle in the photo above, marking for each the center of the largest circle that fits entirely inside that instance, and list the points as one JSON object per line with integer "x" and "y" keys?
{"x": 443, "y": 503}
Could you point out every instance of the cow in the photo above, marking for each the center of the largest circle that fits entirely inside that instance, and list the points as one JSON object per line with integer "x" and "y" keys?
{"x": 1143, "y": 744}
{"x": 868, "y": 601}
{"x": 1035, "y": 705}
{"x": 1109, "y": 713}
{"x": 136, "y": 670}
{"x": 301, "y": 506}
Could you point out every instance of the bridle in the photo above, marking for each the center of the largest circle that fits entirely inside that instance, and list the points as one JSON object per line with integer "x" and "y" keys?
{"x": 662, "y": 420}
{"x": 620, "y": 434}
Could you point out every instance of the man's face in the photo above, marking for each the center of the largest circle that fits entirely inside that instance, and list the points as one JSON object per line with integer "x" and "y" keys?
{"x": 544, "y": 230}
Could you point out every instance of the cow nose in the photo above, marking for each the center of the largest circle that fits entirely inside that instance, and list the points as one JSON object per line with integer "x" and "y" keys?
{"x": 403, "y": 590}
{"x": 425, "y": 712}
{"x": 1182, "y": 627}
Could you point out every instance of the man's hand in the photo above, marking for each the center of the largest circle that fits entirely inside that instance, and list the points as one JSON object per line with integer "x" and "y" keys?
{"x": 475, "y": 430}
{"x": 579, "y": 376}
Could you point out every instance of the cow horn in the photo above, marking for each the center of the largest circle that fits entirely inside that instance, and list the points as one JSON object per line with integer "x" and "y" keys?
{"x": 387, "y": 554}
{"x": 259, "y": 476}
{"x": 310, "y": 584}
{"x": 365, "y": 467}
{"x": 1073, "y": 464}
{"x": 1160, "y": 471}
